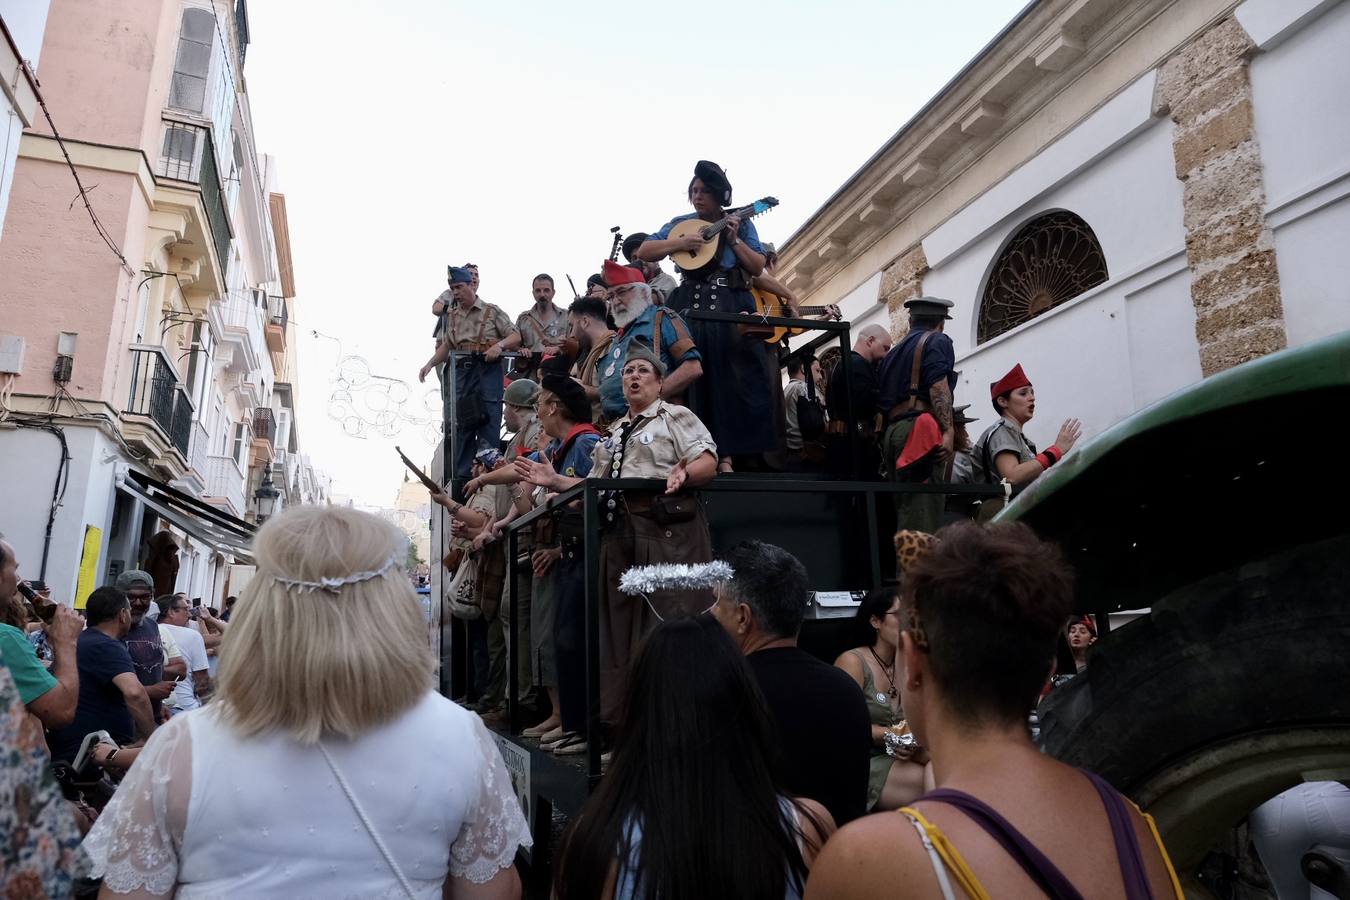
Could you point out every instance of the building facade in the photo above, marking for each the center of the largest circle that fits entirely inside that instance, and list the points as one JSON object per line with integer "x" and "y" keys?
{"x": 154, "y": 392}
{"x": 1123, "y": 197}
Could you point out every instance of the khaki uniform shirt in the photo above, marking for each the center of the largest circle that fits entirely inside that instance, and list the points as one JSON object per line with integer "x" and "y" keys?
{"x": 478, "y": 327}
{"x": 661, "y": 436}
{"x": 537, "y": 335}
{"x": 526, "y": 440}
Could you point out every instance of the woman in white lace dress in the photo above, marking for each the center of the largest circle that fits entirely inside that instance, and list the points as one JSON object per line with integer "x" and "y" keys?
{"x": 326, "y": 766}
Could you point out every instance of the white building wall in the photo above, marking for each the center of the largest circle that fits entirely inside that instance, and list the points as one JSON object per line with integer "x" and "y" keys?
{"x": 26, "y": 481}
{"x": 1302, "y": 110}
{"x": 1119, "y": 346}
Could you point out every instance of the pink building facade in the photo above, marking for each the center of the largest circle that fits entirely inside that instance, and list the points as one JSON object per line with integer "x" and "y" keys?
{"x": 154, "y": 325}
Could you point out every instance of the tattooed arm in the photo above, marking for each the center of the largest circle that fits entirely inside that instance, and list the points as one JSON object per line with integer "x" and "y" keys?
{"x": 940, "y": 399}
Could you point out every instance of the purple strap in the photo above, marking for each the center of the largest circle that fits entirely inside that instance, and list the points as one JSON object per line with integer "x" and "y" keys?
{"x": 1130, "y": 857}
{"x": 1036, "y": 864}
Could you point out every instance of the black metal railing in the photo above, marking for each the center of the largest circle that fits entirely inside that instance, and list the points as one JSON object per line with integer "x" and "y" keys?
{"x": 214, "y": 201}
{"x": 187, "y": 154}
{"x": 180, "y": 428}
{"x": 264, "y": 424}
{"x": 153, "y": 386}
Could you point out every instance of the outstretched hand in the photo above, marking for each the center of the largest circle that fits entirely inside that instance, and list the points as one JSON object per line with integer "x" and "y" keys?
{"x": 534, "y": 472}
{"x": 1069, "y": 433}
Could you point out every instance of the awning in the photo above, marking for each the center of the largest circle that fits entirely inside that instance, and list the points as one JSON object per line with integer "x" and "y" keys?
{"x": 219, "y": 530}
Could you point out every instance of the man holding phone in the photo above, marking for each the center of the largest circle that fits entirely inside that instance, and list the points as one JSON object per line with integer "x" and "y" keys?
{"x": 174, "y": 616}
{"x": 52, "y": 696}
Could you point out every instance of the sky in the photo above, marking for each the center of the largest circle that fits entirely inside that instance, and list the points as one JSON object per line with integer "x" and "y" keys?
{"x": 413, "y": 134}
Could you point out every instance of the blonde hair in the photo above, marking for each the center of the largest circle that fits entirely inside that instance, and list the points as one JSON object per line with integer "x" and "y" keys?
{"x": 314, "y": 661}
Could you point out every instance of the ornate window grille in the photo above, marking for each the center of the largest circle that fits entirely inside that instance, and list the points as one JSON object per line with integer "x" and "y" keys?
{"x": 1050, "y": 260}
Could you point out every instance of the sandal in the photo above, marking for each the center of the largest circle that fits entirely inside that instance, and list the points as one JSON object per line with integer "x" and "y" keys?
{"x": 574, "y": 745}
{"x": 552, "y": 746}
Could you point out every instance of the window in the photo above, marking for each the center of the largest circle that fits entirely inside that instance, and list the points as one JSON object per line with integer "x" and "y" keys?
{"x": 1049, "y": 261}
{"x": 192, "y": 66}
{"x": 241, "y": 443}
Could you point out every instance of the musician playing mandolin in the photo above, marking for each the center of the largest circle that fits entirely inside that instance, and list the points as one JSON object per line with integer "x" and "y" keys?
{"x": 738, "y": 387}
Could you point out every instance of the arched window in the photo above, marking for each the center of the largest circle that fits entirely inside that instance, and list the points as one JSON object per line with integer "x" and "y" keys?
{"x": 1051, "y": 260}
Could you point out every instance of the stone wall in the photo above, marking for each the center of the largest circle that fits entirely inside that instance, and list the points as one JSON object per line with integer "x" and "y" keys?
{"x": 1235, "y": 282}
{"x": 900, "y": 281}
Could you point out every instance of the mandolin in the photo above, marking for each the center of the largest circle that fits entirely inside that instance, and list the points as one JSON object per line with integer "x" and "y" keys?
{"x": 767, "y": 304}
{"x": 710, "y": 232}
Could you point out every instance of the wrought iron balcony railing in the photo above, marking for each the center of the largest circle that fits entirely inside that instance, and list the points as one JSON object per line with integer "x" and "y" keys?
{"x": 157, "y": 394}
{"x": 187, "y": 155}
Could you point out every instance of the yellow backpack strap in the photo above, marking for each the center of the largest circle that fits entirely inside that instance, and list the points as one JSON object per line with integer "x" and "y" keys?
{"x": 950, "y": 856}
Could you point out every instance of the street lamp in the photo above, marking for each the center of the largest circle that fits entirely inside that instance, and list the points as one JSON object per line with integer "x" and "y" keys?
{"x": 265, "y": 498}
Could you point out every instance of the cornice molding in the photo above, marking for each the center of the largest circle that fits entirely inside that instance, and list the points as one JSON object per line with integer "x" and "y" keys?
{"x": 1045, "y": 51}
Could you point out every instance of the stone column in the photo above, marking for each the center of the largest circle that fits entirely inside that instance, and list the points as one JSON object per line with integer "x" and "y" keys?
{"x": 1235, "y": 283}
{"x": 900, "y": 281}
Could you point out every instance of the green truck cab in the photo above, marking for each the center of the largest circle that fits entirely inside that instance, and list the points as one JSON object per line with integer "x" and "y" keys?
{"x": 1220, "y": 512}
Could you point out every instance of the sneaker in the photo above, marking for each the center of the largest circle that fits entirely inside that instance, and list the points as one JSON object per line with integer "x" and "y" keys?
{"x": 91, "y": 740}
{"x": 494, "y": 718}
{"x": 552, "y": 737}
{"x": 539, "y": 730}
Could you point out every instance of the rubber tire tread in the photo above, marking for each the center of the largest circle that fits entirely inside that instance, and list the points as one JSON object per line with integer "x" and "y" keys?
{"x": 1263, "y": 647}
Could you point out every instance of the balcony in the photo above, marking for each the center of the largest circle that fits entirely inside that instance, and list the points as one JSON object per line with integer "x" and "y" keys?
{"x": 239, "y": 322}
{"x": 277, "y": 317}
{"x": 187, "y": 155}
{"x": 225, "y": 484}
{"x": 158, "y": 414}
{"x": 264, "y": 434}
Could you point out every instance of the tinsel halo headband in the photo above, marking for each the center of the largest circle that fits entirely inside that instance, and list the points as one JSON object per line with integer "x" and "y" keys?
{"x": 645, "y": 580}
{"x": 674, "y": 577}
{"x": 333, "y": 585}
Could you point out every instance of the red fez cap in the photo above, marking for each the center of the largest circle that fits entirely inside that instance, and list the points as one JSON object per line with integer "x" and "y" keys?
{"x": 1015, "y": 379}
{"x": 616, "y": 274}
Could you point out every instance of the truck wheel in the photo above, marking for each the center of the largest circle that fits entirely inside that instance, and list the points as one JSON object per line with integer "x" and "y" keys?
{"x": 1228, "y": 692}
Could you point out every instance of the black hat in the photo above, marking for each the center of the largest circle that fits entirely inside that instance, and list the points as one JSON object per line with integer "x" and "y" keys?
{"x": 711, "y": 174}
{"x": 929, "y": 306}
{"x": 959, "y": 415}
{"x": 595, "y": 279}
{"x": 631, "y": 243}
{"x": 572, "y": 395}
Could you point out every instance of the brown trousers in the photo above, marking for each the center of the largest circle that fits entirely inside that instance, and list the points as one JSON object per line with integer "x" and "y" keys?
{"x": 636, "y": 539}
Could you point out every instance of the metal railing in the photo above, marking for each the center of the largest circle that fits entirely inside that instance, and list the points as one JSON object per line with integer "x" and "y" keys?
{"x": 180, "y": 427}
{"x": 154, "y": 387}
{"x": 225, "y": 479}
{"x": 264, "y": 424}
{"x": 187, "y": 154}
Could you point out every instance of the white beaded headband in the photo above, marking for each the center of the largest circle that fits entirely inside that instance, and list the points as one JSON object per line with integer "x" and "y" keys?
{"x": 333, "y": 585}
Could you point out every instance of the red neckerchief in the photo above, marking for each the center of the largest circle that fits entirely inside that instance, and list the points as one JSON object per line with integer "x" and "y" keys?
{"x": 572, "y": 436}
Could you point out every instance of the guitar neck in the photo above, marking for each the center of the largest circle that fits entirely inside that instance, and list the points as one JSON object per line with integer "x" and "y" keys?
{"x": 716, "y": 228}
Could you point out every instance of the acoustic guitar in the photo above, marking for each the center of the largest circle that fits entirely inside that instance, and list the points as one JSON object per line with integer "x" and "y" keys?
{"x": 767, "y": 304}
{"x": 711, "y": 232}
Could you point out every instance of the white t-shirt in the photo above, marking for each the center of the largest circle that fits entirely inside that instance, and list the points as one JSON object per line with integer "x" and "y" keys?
{"x": 219, "y": 815}
{"x": 193, "y": 650}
